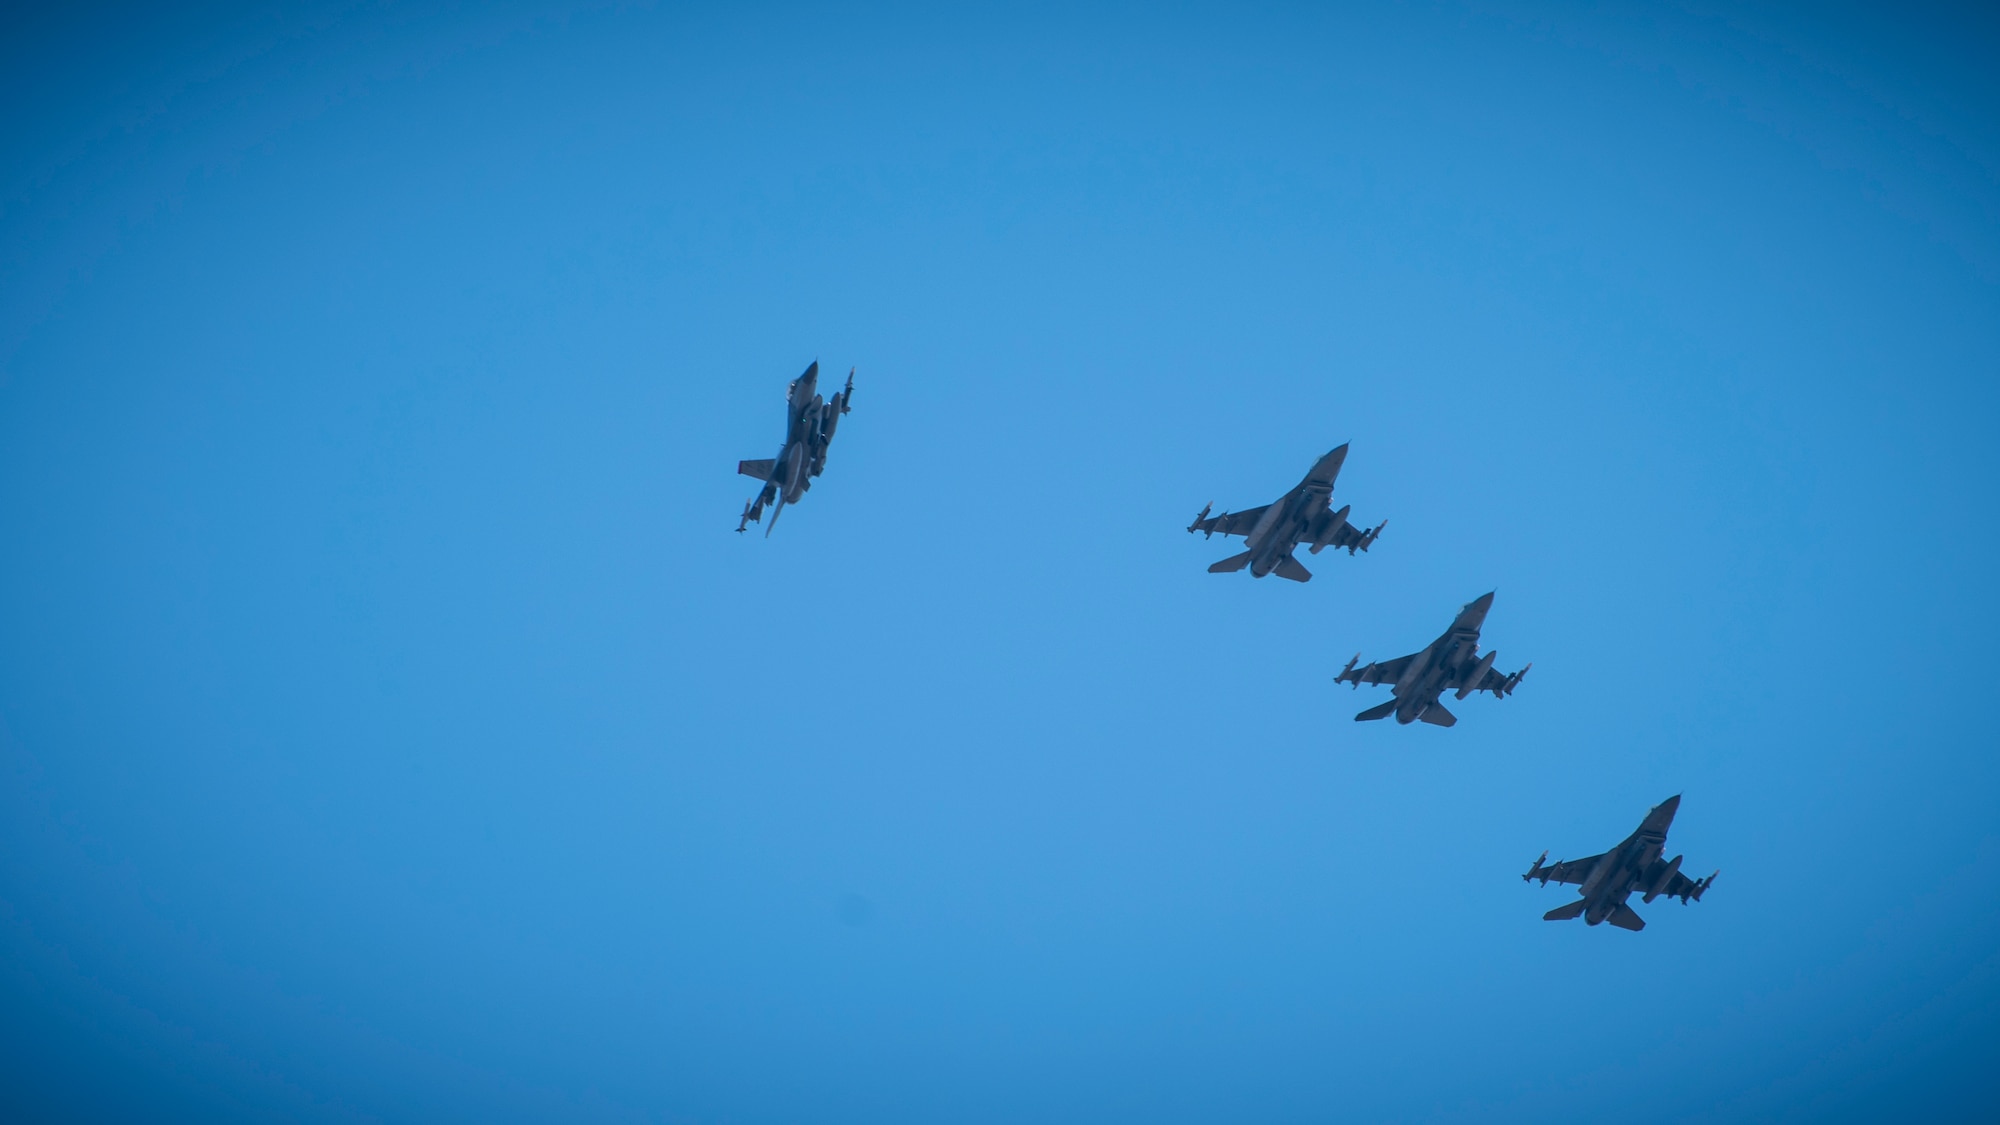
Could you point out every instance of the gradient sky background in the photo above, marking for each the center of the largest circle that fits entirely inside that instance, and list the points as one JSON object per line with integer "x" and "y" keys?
{"x": 394, "y": 731}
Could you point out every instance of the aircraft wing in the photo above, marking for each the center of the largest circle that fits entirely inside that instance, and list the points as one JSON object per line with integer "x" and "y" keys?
{"x": 1682, "y": 887}
{"x": 1491, "y": 679}
{"x": 1385, "y": 672}
{"x": 1349, "y": 536}
{"x": 1230, "y": 523}
{"x": 1568, "y": 871}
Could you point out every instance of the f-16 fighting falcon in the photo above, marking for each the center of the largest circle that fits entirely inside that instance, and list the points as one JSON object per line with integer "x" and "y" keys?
{"x": 809, "y": 425}
{"x": 1274, "y": 531}
{"x": 1451, "y": 661}
{"x": 1635, "y": 865}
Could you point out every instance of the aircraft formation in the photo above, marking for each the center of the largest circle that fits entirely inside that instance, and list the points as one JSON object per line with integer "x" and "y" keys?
{"x": 1305, "y": 516}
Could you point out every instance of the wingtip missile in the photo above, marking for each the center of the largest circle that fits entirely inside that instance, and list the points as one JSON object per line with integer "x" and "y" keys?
{"x": 1514, "y": 680}
{"x": 1350, "y": 668}
{"x": 1536, "y": 869}
{"x": 847, "y": 393}
{"x": 1368, "y": 540}
{"x": 1196, "y": 525}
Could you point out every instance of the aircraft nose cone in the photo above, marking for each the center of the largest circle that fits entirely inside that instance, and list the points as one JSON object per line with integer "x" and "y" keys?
{"x": 1483, "y": 602}
{"x": 1661, "y": 816}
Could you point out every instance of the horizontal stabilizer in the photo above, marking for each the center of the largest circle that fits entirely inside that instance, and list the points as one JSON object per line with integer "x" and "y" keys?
{"x": 1231, "y": 564}
{"x": 1289, "y": 567}
{"x": 1565, "y": 913}
{"x": 1437, "y": 716}
{"x": 759, "y": 469}
{"x": 1626, "y": 918}
{"x": 1373, "y": 713}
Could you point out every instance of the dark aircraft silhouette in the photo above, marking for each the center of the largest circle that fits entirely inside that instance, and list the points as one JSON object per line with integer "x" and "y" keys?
{"x": 1608, "y": 880}
{"x": 809, "y": 425}
{"x": 1451, "y": 661}
{"x": 1274, "y": 531}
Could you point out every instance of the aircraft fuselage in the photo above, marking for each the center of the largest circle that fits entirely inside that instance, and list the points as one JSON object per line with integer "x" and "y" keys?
{"x": 1622, "y": 869}
{"x": 1425, "y": 679}
{"x": 1282, "y": 525}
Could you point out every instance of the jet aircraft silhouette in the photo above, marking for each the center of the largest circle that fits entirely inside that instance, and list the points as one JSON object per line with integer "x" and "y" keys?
{"x": 809, "y": 425}
{"x": 1608, "y": 880}
{"x": 1274, "y": 531}
{"x": 1451, "y": 661}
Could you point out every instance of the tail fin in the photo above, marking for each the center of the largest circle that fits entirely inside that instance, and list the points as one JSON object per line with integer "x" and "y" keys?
{"x": 1289, "y": 567}
{"x": 759, "y": 469}
{"x": 1374, "y": 713}
{"x": 1437, "y": 716}
{"x": 1565, "y": 913}
{"x": 1626, "y": 918}
{"x": 1231, "y": 565}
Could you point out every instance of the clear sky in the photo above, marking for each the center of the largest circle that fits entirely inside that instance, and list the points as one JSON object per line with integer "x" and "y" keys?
{"x": 392, "y": 729}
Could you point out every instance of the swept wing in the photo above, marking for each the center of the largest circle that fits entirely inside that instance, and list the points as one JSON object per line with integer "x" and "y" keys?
{"x": 1330, "y": 529}
{"x": 1230, "y": 523}
{"x": 1565, "y": 871}
{"x": 1681, "y": 887}
{"x": 1488, "y": 679}
{"x": 1381, "y": 672}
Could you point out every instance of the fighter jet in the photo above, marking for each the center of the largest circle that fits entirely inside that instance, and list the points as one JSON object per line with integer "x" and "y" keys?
{"x": 1274, "y": 531}
{"x": 1635, "y": 865}
{"x": 809, "y": 425}
{"x": 1451, "y": 661}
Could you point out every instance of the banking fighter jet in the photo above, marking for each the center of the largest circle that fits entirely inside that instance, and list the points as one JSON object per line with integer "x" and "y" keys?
{"x": 1451, "y": 661}
{"x": 1636, "y": 865}
{"x": 1274, "y": 531}
{"x": 809, "y": 426}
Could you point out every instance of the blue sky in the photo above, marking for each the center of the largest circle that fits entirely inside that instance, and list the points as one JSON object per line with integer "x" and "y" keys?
{"x": 394, "y": 731}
